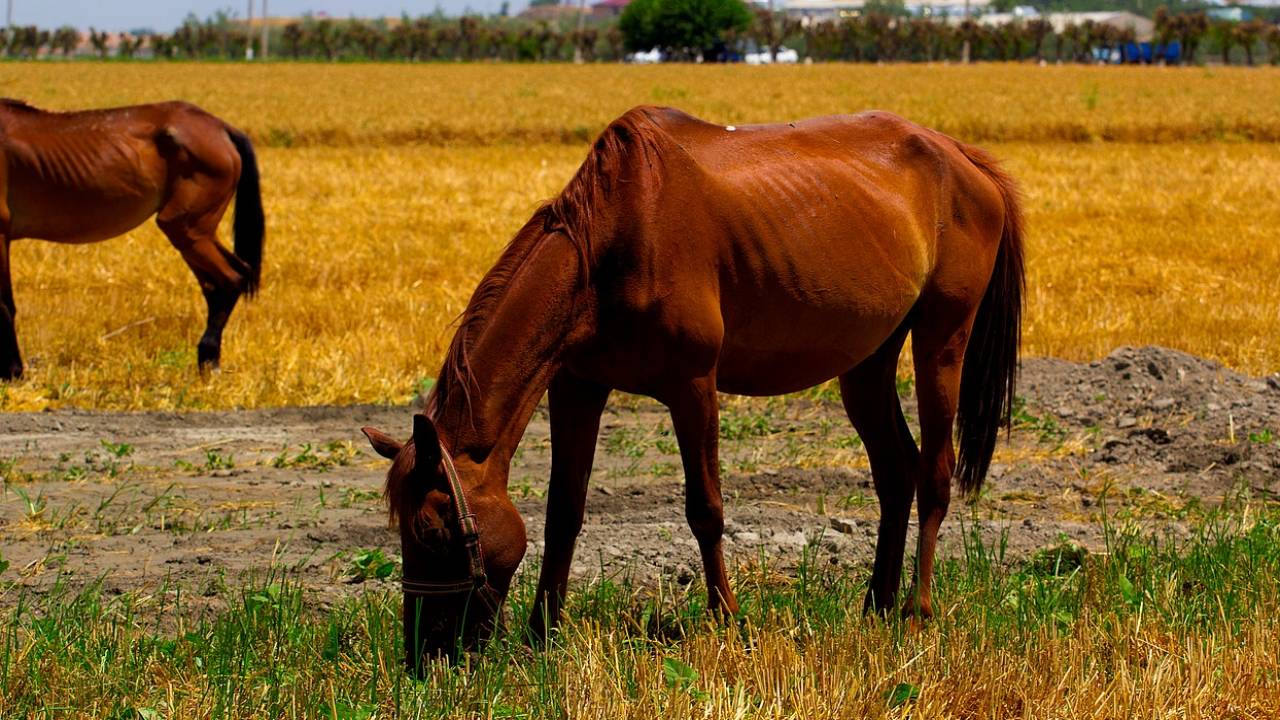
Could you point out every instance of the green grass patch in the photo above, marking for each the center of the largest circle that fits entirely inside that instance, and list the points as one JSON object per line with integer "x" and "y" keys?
{"x": 270, "y": 648}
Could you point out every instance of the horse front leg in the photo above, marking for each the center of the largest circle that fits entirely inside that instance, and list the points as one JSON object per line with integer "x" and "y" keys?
{"x": 10, "y": 357}
{"x": 575, "y": 407}
{"x": 695, "y": 414}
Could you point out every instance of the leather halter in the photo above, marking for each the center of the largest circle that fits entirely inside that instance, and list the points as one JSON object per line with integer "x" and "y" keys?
{"x": 478, "y": 582}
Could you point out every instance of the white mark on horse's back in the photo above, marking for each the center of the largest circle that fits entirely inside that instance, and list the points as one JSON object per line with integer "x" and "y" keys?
{"x": 730, "y": 128}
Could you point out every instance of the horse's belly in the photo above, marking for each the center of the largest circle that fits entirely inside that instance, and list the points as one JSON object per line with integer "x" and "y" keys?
{"x": 800, "y": 352}
{"x": 789, "y": 330}
{"x": 68, "y": 216}
{"x": 71, "y": 204}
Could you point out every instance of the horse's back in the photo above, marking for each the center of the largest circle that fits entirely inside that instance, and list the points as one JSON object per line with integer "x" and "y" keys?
{"x": 852, "y": 194}
{"x": 112, "y": 165}
{"x": 820, "y": 237}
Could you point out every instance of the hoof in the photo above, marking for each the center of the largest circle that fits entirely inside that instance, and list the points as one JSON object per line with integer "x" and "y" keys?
{"x": 872, "y": 605}
{"x": 540, "y": 627}
{"x": 535, "y": 635}
{"x": 208, "y": 358}
{"x": 917, "y": 612}
{"x": 12, "y": 372}
{"x": 209, "y": 368}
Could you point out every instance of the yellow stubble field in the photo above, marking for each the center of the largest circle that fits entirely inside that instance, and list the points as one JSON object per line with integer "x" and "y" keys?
{"x": 390, "y": 189}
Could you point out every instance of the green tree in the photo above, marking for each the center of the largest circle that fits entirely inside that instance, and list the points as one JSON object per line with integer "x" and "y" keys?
{"x": 1166, "y": 30}
{"x": 129, "y": 45}
{"x": 682, "y": 28}
{"x": 1247, "y": 34}
{"x": 292, "y": 36}
{"x": 1037, "y": 29}
{"x": 161, "y": 46}
{"x": 65, "y": 40}
{"x": 1193, "y": 28}
{"x": 99, "y": 42}
{"x": 1224, "y": 31}
{"x": 639, "y": 25}
{"x": 766, "y": 31}
{"x": 1272, "y": 38}
{"x": 617, "y": 42}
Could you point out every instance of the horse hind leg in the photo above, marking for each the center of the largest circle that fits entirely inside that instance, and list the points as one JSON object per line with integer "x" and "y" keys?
{"x": 938, "y": 353}
{"x": 222, "y": 276}
{"x": 869, "y": 393}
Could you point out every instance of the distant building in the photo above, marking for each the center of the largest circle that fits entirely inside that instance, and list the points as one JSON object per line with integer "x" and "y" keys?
{"x": 85, "y": 48}
{"x": 820, "y": 10}
{"x": 550, "y": 13}
{"x": 1143, "y": 28}
{"x": 609, "y": 8}
{"x": 1233, "y": 13}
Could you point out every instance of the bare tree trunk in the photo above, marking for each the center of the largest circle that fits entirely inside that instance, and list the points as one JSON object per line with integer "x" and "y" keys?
{"x": 582, "y": 19}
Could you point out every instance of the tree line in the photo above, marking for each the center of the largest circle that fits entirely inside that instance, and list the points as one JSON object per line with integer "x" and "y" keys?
{"x": 683, "y": 29}
{"x": 880, "y": 37}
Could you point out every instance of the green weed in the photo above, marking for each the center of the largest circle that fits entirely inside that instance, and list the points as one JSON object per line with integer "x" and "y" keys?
{"x": 322, "y": 458}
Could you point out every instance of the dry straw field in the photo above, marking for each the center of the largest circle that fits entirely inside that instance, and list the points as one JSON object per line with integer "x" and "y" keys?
{"x": 389, "y": 190}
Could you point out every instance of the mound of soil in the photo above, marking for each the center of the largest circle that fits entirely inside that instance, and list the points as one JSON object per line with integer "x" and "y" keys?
{"x": 1165, "y": 415}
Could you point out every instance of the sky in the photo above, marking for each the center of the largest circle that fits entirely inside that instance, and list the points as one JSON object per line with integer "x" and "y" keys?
{"x": 164, "y": 15}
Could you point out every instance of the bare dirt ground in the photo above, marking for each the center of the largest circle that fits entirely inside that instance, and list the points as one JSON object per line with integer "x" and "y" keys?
{"x": 201, "y": 499}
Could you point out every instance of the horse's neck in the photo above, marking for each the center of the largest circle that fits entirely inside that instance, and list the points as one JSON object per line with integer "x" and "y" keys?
{"x": 482, "y": 409}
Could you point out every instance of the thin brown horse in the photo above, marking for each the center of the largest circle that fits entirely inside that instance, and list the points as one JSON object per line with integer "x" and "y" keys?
{"x": 81, "y": 177}
{"x": 686, "y": 259}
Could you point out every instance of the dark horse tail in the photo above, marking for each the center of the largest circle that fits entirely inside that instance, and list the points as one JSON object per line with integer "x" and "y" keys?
{"x": 988, "y": 379}
{"x": 249, "y": 224}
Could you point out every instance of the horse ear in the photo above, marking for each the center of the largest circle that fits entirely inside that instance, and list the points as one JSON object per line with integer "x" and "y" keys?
{"x": 383, "y": 444}
{"x": 425, "y": 439}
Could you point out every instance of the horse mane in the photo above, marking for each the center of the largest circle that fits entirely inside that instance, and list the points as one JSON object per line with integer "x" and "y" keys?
{"x": 492, "y": 288}
{"x": 573, "y": 214}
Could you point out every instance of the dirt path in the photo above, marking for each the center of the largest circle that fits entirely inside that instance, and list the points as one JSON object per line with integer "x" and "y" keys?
{"x": 202, "y": 498}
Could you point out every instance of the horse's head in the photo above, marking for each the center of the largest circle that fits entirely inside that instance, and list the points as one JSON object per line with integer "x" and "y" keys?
{"x": 461, "y": 539}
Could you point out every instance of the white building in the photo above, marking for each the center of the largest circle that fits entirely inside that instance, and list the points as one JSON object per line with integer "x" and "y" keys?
{"x": 1143, "y": 28}
{"x": 835, "y": 9}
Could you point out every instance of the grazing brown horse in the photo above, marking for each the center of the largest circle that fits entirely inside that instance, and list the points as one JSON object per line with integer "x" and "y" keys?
{"x": 687, "y": 258}
{"x": 81, "y": 177}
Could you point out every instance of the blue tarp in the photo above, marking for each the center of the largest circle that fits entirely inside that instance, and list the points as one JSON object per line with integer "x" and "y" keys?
{"x": 1151, "y": 52}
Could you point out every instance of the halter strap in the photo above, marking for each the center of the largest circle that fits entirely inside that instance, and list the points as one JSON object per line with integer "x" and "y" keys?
{"x": 478, "y": 582}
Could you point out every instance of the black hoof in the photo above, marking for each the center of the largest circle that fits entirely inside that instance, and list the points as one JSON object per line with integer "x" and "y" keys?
{"x": 208, "y": 358}
{"x": 11, "y": 372}
{"x": 873, "y": 606}
{"x": 536, "y": 634}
